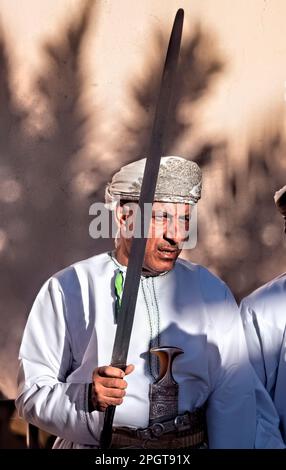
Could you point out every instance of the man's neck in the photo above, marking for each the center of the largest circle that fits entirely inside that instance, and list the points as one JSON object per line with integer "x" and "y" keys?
{"x": 122, "y": 259}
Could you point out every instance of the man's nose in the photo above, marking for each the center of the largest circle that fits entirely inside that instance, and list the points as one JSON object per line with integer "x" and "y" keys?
{"x": 175, "y": 230}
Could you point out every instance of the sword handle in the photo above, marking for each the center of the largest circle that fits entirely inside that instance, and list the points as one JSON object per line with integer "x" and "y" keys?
{"x": 106, "y": 434}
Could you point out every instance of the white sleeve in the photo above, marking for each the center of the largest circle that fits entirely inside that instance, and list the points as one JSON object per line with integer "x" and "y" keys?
{"x": 238, "y": 414}
{"x": 45, "y": 399}
{"x": 268, "y": 435}
{"x": 267, "y": 414}
{"x": 253, "y": 340}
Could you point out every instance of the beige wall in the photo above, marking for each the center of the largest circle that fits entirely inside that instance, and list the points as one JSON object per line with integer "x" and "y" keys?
{"x": 71, "y": 73}
{"x": 249, "y": 35}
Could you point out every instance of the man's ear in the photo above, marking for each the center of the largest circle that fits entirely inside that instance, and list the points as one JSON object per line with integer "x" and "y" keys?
{"x": 122, "y": 213}
{"x": 118, "y": 214}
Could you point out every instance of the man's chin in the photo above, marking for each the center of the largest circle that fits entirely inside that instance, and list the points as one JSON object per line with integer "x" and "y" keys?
{"x": 160, "y": 267}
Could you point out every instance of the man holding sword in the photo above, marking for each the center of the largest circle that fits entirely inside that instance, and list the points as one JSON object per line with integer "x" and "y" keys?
{"x": 190, "y": 383}
{"x": 66, "y": 383}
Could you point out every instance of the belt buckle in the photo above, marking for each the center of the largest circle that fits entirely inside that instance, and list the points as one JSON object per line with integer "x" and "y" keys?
{"x": 181, "y": 422}
{"x": 152, "y": 432}
{"x": 144, "y": 434}
{"x": 157, "y": 429}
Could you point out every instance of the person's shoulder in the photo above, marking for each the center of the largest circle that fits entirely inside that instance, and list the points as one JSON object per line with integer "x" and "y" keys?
{"x": 213, "y": 289}
{"x": 220, "y": 305}
{"x": 80, "y": 269}
{"x": 205, "y": 276}
{"x": 269, "y": 294}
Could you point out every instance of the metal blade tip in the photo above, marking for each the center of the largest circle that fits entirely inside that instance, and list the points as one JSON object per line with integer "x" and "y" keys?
{"x": 180, "y": 12}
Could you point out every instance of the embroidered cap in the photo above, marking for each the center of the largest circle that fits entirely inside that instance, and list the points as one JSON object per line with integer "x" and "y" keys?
{"x": 179, "y": 180}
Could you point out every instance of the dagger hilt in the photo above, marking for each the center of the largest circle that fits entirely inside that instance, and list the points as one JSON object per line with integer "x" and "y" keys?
{"x": 163, "y": 393}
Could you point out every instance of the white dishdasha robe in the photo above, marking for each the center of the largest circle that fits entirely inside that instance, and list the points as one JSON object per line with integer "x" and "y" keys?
{"x": 264, "y": 318}
{"x": 71, "y": 330}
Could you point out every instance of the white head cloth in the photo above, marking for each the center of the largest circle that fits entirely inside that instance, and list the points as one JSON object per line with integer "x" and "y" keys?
{"x": 179, "y": 180}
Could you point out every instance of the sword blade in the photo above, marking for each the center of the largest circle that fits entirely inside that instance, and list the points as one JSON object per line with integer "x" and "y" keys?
{"x": 136, "y": 258}
{"x": 134, "y": 269}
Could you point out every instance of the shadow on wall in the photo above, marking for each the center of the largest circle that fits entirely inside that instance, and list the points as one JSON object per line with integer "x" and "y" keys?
{"x": 199, "y": 66}
{"x": 44, "y": 219}
{"x": 44, "y": 205}
{"x": 241, "y": 232}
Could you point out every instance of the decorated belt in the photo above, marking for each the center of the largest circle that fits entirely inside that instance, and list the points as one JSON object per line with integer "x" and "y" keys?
{"x": 186, "y": 430}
